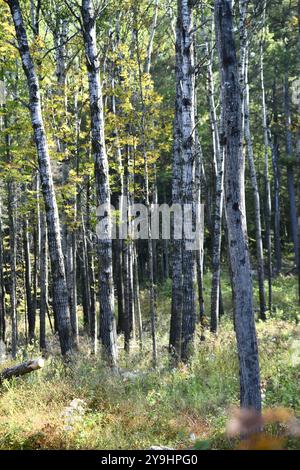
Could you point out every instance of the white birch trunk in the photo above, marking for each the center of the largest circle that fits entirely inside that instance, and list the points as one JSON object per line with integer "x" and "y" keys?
{"x": 60, "y": 294}
{"x": 107, "y": 321}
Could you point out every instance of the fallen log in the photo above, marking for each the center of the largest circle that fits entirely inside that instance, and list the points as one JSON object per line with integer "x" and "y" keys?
{"x": 22, "y": 369}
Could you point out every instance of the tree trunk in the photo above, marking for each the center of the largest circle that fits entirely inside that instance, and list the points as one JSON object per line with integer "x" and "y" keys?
{"x": 256, "y": 198}
{"x": 2, "y": 287}
{"x": 276, "y": 173}
{"x": 151, "y": 38}
{"x": 107, "y": 322}
{"x": 152, "y": 287}
{"x": 43, "y": 282}
{"x": 235, "y": 209}
{"x": 36, "y": 244}
{"x": 60, "y": 294}
{"x": 29, "y": 303}
{"x": 188, "y": 174}
{"x": 298, "y": 156}
{"x": 248, "y": 138}
{"x": 219, "y": 186}
{"x": 136, "y": 291}
{"x": 21, "y": 369}
{"x": 11, "y": 189}
{"x": 290, "y": 167}
{"x": 266, "y": 165}
{"x": 176, "y": 306}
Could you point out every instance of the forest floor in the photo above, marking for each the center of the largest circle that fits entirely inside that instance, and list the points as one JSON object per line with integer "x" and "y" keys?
{"x": 85, "y": 406}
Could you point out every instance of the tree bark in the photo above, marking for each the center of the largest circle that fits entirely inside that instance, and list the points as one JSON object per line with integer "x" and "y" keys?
{"x": 219, "y": 162}
{"x": 11, "y": 189}
{"x": 151, "y": 38}
{"x": 188, "y": 174}
{"x": 152, "y": 287}
{"x": 267, "y": 186}
{"x": 30, "y": 312}
{"x": 21, "y": 369}
{"x": 43, "y": 282}
{"x": 248, "y": 138}
{"x": 290, "y": 167}
{"x": 235, "y": 209}
{"x": 276, "y": 173}
{"x": 298, "y": 157}
{"x": 107, "y": 322}
{"x": 2, "y": 287}
{"x": 60, "y": 294}
{"x": 176, "y": 306}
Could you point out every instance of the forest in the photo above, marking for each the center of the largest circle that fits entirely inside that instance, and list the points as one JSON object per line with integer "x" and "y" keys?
{"x": 150, "y": 225}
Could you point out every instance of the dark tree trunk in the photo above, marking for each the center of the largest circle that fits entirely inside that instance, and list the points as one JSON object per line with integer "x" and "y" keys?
{"x": 11, "y": 189}
{"x": 2, "y": 287}
{"x": 43, "y": 281}
{"x": 21, "y": 369}
{"x": 36, "y": 244}
{"x": 235, "y": 209}
{"x": 276, "y": 173}
{"x": 290, "y": 167}
{"x": 298, "y": 157}
{"x": 176, "y": 306}
{"x": 29, "y": 302}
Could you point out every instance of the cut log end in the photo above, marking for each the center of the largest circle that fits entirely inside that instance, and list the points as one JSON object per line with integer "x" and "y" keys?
{"x": 37, "y": 364}
{"x": 22, "y": 369}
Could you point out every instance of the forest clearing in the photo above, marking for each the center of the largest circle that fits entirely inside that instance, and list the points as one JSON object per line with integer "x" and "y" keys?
{"x": 149, "y": 225}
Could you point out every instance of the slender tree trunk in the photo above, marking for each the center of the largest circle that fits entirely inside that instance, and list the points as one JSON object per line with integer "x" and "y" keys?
{"x": 104, "y": 245}
{"x": 85, "y": 282}
{"x": 235, "y": 209}
{"x": 152, "y": 292}
{"x": 60, "y": 294}
{"x": 118, "y": 270}
{"x": 91, "y": 277}
{"x": 151, "y": 38}
{"x": 176, "y": 306}
{"x": 136, "y": 291}
{"x": 276, "y": 173}
{"x": 267, "y": 186}
{"x": 219, "y": 185}
{"x": 36, "y": 244}
{"x": 256, "y": 198}
{"x": 298, "y": 156}
{"x": 11, "y": 190}
{"x": 120, "y": 285}
{"x": 43, "y": 281}
{"x": 250, "y": 153}
{"x": 128, "y": 260}
{"x": 89, "y": 288}
{"x": 188, "y": 174}
{"x": 165, "y": 252}
{"x": 68, "y": 237}
{"x": 290, "y": 167}
{"x": 29, "y": 303}
{"x": 12, "y": 206}
{"x": 2, "y": 287}
{"x": 200, "y": 252}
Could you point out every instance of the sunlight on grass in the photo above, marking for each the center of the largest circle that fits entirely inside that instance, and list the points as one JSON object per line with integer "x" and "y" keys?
{"x": 152, "y": 407}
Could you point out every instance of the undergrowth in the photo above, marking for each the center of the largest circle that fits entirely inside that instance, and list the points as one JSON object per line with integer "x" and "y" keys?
{"x": 87, "y": 406}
